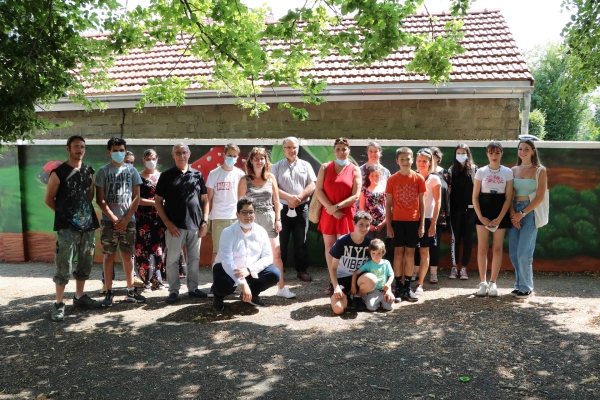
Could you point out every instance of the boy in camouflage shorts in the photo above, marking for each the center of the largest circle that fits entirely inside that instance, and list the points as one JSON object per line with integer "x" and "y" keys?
{"x": 118, "y": 195}
{"x": 69, "y": 194}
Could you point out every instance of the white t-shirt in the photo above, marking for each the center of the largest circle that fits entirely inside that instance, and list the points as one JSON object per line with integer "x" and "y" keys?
{"x": 432, "y": 181}
{"x": 225, "y": 196}
{"x": 494, "y": 180}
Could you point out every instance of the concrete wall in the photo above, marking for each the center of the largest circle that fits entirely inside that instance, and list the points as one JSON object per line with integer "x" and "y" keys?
{"x": 447, "y": 119}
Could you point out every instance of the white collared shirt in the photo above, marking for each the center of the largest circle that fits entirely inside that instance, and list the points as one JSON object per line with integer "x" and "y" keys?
{"x": 239, "y": 250}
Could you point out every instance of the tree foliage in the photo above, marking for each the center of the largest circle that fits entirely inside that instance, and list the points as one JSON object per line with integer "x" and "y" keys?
{"x": 582, "y": 39}
{"x": 537, "y": 123}
{"x": 563, "y": 104}
{"x": 44, "y": 56}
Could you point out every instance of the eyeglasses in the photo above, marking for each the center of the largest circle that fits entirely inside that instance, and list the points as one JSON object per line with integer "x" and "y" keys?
{"x": 247, "y": 212}
{"x": 182, "y": 153}
{"x": 291, "y": 147}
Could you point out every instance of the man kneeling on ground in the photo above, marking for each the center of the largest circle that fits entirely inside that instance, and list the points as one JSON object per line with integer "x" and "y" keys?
{"x": 244, "y": 259}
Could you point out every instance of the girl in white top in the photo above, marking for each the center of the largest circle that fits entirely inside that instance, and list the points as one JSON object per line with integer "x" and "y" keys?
{"x": 222, "y": 189}
{"x": 431, "y": 199}
{"x": 492, "y": 195}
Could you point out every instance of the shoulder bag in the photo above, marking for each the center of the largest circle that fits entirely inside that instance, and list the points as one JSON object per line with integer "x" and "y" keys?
{"x": 542, "y": 211}
{"x": 315, "y": 206}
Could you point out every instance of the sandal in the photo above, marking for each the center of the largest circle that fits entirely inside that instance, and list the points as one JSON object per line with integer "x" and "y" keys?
{"x": 433, "y": 278}
{"x": 329, "y": 290}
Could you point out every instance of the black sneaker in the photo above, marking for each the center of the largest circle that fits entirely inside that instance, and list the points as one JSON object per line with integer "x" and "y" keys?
{"x": 398, "y": 291}
{"x": 358, "y": 303}
{"x": 411, "y": 296}
{"x": 523, "y": 295}
{"x": 108, "y": 299}
{"x": 199, "y": 294}
{"x": 218, "y": 303}
{"x": 58, "y": 312}
{"x": 514, "y": 293}
{"x": 257, "y": 301}
{"x": 211, "y": 294}
{"x": 134, "y": 297}
{"x": 85, "y": 302}
{"x": 172, "y": 298}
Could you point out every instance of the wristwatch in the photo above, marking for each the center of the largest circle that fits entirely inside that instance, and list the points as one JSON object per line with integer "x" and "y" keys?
{"x": 523, "y": 213}
{"x": 203, "y": 222}
{"x": 337, "y": 206}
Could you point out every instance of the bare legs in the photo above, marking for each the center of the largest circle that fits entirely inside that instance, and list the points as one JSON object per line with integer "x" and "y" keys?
{"x": 483, "y": 239}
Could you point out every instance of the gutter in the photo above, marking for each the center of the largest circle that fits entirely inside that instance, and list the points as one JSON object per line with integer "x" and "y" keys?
{"x": 459, "y": 90}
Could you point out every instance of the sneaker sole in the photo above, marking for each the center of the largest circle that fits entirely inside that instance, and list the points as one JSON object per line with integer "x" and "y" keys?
{"x": 452, "y": 277}
{"x": 466, "y": 278}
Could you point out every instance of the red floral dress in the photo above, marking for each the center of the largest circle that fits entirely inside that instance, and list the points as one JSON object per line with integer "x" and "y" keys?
{"x": 150, "y": 237}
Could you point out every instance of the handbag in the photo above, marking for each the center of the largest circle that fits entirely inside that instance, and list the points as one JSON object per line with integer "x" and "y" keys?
{"x": 314, "y": 209}
{"x": 542, "y": 211}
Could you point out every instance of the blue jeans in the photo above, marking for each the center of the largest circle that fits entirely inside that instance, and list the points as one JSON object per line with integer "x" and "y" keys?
{"x": 521, "y": 244}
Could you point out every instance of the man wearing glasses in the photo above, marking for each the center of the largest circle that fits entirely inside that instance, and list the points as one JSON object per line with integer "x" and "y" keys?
{"x": 181, "y": 201}
{"x": 296, "y": 180}
{"x": 245, "y": 259}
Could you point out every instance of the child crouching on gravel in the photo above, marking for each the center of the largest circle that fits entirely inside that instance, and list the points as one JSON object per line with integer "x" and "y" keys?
{"x": 373, "y": 281}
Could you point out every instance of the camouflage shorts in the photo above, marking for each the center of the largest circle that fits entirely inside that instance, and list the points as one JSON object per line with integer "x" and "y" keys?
{"x": 112, "y": 240}
{"x": 73, "y": 248}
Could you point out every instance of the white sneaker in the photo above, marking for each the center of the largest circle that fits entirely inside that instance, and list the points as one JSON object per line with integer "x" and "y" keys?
{"x": 493, "y": 290}
{"x": 419, "y": 290}
{"x": 453, "y": 273}
{"x": 285, "y": 292}
{"x": 482, "y": 290}
{"x": 463, "y": 274}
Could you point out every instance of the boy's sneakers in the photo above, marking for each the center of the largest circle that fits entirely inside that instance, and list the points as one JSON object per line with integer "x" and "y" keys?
{"x": 85, "y": 302}
{"x": 514, "y": 293}
{"x": 410, "y": 296}
{"x": 108, "y": 299}
{"x": 285, "y": 292}
{"x": 133, "y": 297}
{"x": 482, "y": 289}
{"x": 453, "y": 273}
{"x": 58, "y": 312}
{"x": 463, "y": 274}
{"x": 398, "y": 294}
{"x": 493, "y": 290}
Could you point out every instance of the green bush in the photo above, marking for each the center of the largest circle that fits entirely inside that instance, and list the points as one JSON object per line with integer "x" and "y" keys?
{"x": 562, "y": 196}
{"x": 587, "y": 234}
{"x": 537, "y": 123}
{"x": 589, "y": 199}
{"x": 561, "y": 222}
{"x": 578, "y": 212}
{"x": 565, "y": 247}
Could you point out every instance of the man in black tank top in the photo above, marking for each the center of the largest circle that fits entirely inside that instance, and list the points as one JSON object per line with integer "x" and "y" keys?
{"x": 69, "y": 194}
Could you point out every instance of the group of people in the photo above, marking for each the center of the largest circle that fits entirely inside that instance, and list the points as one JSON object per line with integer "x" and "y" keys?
{"x": 150, "y": 217}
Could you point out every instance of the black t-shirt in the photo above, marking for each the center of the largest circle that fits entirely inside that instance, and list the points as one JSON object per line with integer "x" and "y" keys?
{"x": 74, "y": 207}
{"x": 182, "y": 192}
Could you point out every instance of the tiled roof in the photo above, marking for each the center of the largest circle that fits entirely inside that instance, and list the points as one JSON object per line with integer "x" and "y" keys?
{"x": 491, "y": 55}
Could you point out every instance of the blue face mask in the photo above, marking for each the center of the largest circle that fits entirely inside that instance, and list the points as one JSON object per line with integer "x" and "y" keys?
{"x": 230, "y": 161}
{"x": 118, "y": 156}
{"x": 341, "y": 163}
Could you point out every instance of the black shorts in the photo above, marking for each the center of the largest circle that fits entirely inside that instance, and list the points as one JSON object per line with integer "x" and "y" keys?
{"x": 346, "y": 282}
{"x": 427, "y": 241}
{"x": 406, "y": 233}
{"x": 491, "y": 205}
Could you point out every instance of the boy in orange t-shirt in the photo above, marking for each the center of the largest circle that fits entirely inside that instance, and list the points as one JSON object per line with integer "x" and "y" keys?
{"x": 404, "y": 203}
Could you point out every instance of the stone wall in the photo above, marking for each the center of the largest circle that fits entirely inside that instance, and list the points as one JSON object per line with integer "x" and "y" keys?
{"x": 462, "y": 119}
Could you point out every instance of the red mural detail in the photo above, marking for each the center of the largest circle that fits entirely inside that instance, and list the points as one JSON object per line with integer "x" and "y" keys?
{"x": 214, "y": 159}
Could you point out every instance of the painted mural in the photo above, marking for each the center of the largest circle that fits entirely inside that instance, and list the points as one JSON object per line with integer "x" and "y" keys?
{"x": 569, "y": 242}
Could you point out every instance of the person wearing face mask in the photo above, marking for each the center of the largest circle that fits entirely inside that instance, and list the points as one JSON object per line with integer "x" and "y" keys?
{"x": 150, "y": 230}
{"x": 296, "y": 180}
{"x": 462, "y": 213}
{"x": 338, "y": 189}
{"x": 118, "y": 196}
{"x": 222, "y": 189}
{"x": 244, "y": 259}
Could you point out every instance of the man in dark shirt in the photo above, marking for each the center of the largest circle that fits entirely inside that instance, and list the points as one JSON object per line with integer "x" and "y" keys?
{"x": 181, "y": 201}
{"x": 69, "y": 194}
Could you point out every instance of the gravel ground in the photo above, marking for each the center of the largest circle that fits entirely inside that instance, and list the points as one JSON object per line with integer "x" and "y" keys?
{"x": 546, "y": 347}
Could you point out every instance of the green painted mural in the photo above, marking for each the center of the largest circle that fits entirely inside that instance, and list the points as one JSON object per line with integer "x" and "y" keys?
{"x": 569, "y": 242}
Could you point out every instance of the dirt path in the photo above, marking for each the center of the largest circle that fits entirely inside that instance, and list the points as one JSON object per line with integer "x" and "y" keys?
{"x": 547, "y": 347}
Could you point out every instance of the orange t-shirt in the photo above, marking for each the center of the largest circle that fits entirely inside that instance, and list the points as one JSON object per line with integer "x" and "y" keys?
{"x": 405, "y": 193}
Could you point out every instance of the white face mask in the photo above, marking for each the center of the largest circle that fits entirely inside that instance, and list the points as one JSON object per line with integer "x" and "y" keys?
{"x": 291, "y": 212}
{"x": 245, "y": 226}
{"x": 461, "y": 158}
{"x": 150, "y": 164}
